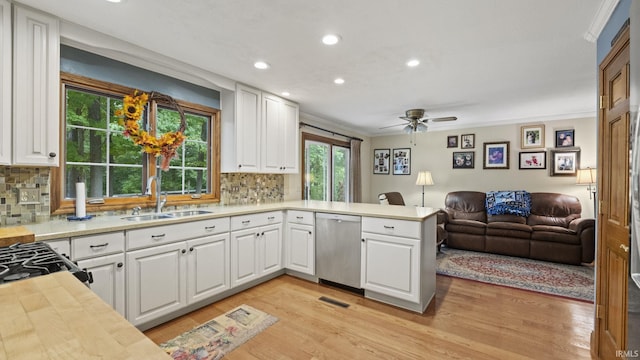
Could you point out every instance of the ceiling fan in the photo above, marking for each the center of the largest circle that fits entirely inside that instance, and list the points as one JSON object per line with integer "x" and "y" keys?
{"x": 417, "y": 121}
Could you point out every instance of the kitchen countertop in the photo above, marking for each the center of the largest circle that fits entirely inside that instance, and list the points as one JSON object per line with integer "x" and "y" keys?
{"x": 56, "y": 229}
{"x": 57, "y": 317}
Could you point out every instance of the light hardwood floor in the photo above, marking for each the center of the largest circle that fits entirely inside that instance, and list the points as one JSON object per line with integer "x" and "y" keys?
{"x": 470, "y": 320}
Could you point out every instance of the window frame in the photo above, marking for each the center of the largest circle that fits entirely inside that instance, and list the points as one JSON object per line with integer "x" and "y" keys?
{"x": 321, "y": 139}
{"x": 60, "y": 205}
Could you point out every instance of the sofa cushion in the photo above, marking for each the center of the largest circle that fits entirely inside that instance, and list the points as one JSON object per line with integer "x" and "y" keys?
{"x": 553, "y": 209}
{"x": 468, "y": 205}
{"x": 516, "y": 202}
{"x": 466, "y": 226}
{"x": 507, "y": 218}
{"x": 509, "y": 230}
{"x": 554, "y": 234}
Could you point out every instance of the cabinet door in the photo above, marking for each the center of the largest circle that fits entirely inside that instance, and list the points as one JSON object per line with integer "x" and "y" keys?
{"x": 108, "y": 279}
{"x": 5, "y": 82}
{"x": 36, "y": 88}
{"x": 300, "y": 248}
{"x": 272, "y": 136}
{"x": 244, "y": 256}
{"x": 248, "y": 130}
{"x": 270, "y": 249}
{"x": 391, "y": 266}
{"x": 156, "y": 282}
{"x": 291, "y": 134}
{"x": 208, "y": 267}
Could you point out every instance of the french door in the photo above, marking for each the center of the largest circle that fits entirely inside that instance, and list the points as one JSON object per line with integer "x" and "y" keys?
{"x": 326, "y": 169}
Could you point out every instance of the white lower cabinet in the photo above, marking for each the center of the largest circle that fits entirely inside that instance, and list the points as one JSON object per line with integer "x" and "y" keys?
{"x": 156, "y": 282}
{"x": 391, "y": 266}
{"x": 300, "y": 242}
{"x": 257, "y": 249}
{"x": 108, "y": 279}
{"x": 208, "y": 269}
{"x": 103, "y": 256}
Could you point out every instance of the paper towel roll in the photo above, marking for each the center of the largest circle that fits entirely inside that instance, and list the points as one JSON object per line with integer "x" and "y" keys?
{"x": 81, "y": 199}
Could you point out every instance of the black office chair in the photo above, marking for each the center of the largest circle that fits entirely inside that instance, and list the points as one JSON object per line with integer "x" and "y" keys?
{"x": 391, "y": 198}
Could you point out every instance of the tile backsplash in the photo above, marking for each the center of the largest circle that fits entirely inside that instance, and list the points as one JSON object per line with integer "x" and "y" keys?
{"x": 25, "y": 192}
{"x": 24, "y": 195}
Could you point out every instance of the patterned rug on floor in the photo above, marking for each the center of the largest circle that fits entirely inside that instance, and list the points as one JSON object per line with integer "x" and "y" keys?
{"x": 213, "y": 339}
{"x": 570, "y": 281}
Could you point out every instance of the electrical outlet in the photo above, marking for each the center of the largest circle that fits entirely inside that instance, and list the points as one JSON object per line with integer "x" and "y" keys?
{"x": 28, "y": 196}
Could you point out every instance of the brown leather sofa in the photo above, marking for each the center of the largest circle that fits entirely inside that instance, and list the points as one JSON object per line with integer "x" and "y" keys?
{"x": 554, "y": 231}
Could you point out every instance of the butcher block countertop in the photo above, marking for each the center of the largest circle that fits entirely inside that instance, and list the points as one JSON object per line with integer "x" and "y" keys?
{"x": 15, "y": 234}
{"x": 57, "y": 317}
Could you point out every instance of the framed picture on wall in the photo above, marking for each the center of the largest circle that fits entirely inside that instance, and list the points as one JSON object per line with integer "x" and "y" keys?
{"x": 467, "y": 141}
{"x": 402, "y": 161}
{"x": 381, "y": 159}
{"x": 532, "y": 136}
{"x": 533, "y": 160}
{"x": 452, "y": 141}
{"x": 464, "y": 159}
{"x": 565, "y": 162}
{"x": 496, "y": 155}
{"x": 565, "y": 138}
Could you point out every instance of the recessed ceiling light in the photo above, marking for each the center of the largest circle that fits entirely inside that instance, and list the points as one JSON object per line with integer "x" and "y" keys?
{"x": 413, "y": 63}
{"x": 285, "y": 93}
{"x": 114, "y": 1}
{"x": 339, "y": 81}
{"x": 261, "y": 65}
{"x": 330, "y": 39}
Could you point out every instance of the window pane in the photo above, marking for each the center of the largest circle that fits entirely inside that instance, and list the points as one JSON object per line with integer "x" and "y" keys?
{"x": 86, "y": 109}
{"x": 171, "y": 181}
{"x": 195, "y": 154}
{"x": 93, "y": 176}
{"x": 340, "y": 173}
{"x": 317, "y": 171}
{"x": 123, "y": 151}
{"x": 126, "y": 181}
{"x": 196, "y": 181}
{"x": 86, "y": 145}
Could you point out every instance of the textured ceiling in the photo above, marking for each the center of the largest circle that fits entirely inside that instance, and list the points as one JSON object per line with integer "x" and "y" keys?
{"x": 484, "y": 61}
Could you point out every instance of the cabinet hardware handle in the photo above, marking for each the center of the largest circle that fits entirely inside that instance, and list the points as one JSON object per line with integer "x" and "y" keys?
{"x": 262, "y": 234}
{"x": 362, "y": 240}
{"x": 239, "y": 165}
{"x": 209, "y": 227}
{"x": 157, "y": 236}
{"x": 309, "y": 232}
{"x": 99, "y": 246}
{"x": 184, "y": 251}
{"x": 246, "y": 222}
{"x": 389, "y": 227}
{"x": 258, "y": 235}
{"x": 271, "y": 217}
{"x": 120, "y": 265}
{"x": 52, "y": 155}
{"x": 191, "y": 249}
{"x": 624, "y": 248}
{"x": 299, "y": 217}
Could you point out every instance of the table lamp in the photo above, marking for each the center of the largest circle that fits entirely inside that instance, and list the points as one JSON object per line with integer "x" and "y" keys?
{"x": 424, "y": 178}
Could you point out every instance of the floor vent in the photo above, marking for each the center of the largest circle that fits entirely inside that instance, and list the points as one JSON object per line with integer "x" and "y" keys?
{"x": 333, "y": 302}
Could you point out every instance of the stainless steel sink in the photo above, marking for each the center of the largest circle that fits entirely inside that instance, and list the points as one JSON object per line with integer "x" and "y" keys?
{"x": 188, "y": 213}
{"x": 148, "y": 217}
{"x": 169, "y": 215}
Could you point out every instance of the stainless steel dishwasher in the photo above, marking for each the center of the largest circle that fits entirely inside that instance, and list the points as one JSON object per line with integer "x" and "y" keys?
{"x": 338, "y": 248}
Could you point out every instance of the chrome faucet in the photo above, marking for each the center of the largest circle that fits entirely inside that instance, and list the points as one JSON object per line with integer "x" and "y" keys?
{"x": 159, "y": 201}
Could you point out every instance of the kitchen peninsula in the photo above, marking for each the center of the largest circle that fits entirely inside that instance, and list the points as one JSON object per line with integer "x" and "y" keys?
{"x": 238, "y": 247}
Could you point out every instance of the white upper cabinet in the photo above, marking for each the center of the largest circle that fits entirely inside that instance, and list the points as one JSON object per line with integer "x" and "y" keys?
{"x": 5, "y": 82}
{"x": 259, "y": 132}
{"x": 36, "y": 88}
{"x": 280, "y": 135}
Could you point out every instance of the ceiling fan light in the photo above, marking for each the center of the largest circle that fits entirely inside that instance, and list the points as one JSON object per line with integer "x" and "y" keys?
{"x": 408, "y": 129}
{"x": 421, "y": 127}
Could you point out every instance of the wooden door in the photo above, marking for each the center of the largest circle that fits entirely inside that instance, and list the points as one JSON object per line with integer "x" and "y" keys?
{"x": 613, "y": 217}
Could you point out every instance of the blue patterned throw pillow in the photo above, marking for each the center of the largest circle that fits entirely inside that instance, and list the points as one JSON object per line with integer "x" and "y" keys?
{"x": 508, "y": 202}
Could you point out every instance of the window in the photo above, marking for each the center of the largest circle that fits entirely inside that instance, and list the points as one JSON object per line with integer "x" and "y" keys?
{"x": 326, "y": 169}
{"x": 114, "y": 169}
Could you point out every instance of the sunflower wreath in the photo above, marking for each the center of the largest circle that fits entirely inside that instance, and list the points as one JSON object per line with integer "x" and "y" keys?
{"x": 164, "y": 146}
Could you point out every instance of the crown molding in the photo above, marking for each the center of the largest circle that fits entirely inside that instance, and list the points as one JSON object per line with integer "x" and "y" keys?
{"x": 600, "y": 19}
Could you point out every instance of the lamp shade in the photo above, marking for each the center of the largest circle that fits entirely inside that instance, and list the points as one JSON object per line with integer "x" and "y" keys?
{"x": 586, "y": 176}
{"x": 424, "y": 178}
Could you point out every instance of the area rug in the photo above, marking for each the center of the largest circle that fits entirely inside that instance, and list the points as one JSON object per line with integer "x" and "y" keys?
{"x": 217, "y": 337}
{"x": 570, "y": 281}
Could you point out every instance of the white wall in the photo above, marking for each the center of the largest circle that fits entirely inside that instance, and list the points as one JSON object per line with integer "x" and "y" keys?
{"x": 293, "y": 183}
{"x": 431, "y": 153}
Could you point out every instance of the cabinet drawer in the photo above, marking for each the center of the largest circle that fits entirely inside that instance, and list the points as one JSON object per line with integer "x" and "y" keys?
{"x": 61, "y": 246}
{"x": 253, "y": 220}
{"x": 300, "y": 217}
{"x": 164, "y": 234}
{"x": 97, "y": 245}
{"x": 392, "y": 227}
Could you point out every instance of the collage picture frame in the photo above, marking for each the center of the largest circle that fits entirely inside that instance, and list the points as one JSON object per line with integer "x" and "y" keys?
{"x": 381, "y": 161}
{"x": 402, "y": 161}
